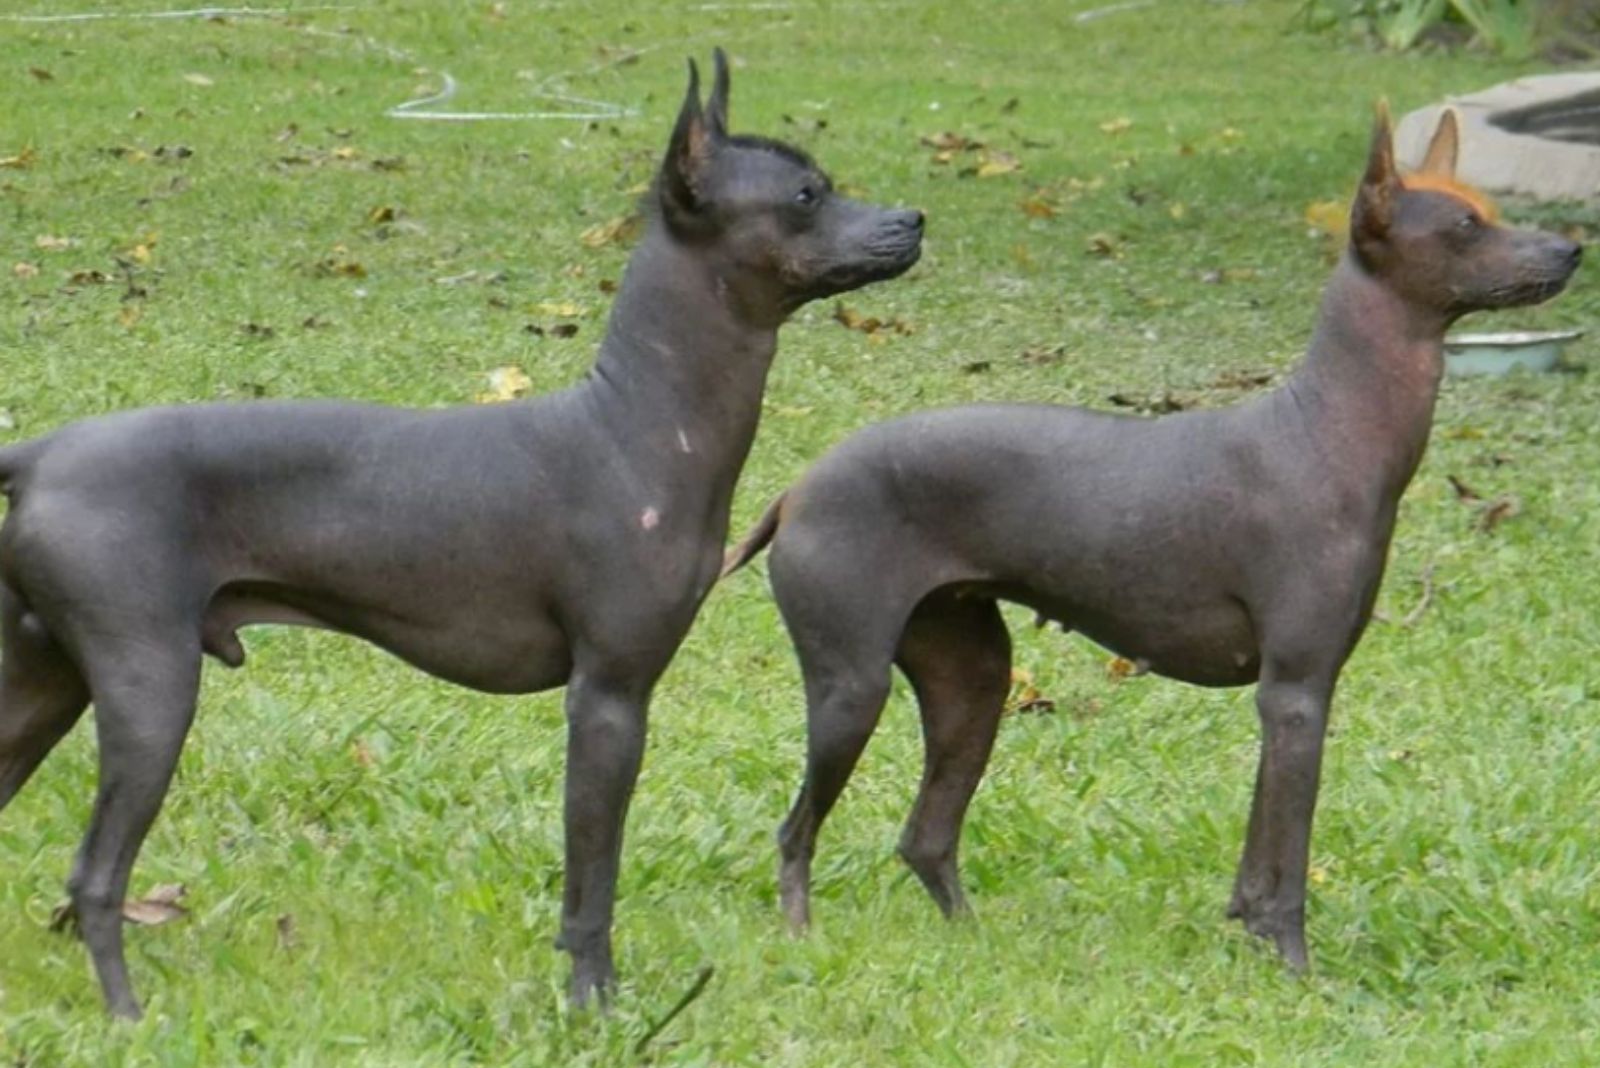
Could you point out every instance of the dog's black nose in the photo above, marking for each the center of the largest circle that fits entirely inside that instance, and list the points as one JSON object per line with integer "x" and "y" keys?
{"x": 1576, "y": 255}
{"x": 913, "y": 219}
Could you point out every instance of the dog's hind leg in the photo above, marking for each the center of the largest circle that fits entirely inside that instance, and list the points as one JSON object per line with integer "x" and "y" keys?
{"x": 957, "y": 653}
{"x": 144, "y": 691}
{"x": 41, "y": 694}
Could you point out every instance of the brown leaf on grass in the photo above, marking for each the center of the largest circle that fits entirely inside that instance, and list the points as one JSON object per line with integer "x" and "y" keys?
{"x": 90, "y": 277}
{"x": 1120, "y": 667}
{"x": 1039, "y": 206}
{"x": 1119, "y": 125}
{"x": 24, "y": 269}
{"x": 976, "y": 367}
{"x": 335, "y": 267}
{"x": 851, "y": 319}
{"x": 129, "y": 314}
{"x": 1154, "y": 404}
{"x": 997, "y": 163}
{"x": 618, "y": 231}
{"x": 505, "y": 383}
{"x": 561, "y": 309}
{"x": 1328, "y": 218}
{"x": 157, "y": 907}
{"x": 1464, "y": 492}
{"x": 260, "y": 331}
{"x": 1103, "y": 245}
{"x": 1043, "y": 355}
{"x": 203, "y": 81}
{"x": 1497, "y": 512}
{"x": 41, "y": 75}
{"x": 288, "y": 133}
{"x": 607, "y": 286}
{"x": 19, "y": 162}
{"x": 564, "y": 330}
{"x": 952, "y": 142}
{"x": 287, "y": 936}
{"x": 360, "y": 752}
{"x": 52, "y": 243}
{"x": 384, "y": 213}
{"x": 1024, "y": 698}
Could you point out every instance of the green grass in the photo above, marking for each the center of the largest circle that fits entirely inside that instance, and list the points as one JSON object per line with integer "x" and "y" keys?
{"x": 406, "y": 833}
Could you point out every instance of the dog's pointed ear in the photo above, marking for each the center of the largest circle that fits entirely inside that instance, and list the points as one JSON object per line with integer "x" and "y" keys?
{"x": 1444, "y": 147}
{"x": 717, "y": 103}
{"x": 1380, "y": 186}
{"x": 687, "y": 153}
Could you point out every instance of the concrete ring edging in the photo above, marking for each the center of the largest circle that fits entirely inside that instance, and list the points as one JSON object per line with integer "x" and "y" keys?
{"x": 1497, "y": 160}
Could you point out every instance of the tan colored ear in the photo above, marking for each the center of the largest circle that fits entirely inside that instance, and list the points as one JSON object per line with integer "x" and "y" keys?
{"x": 1444, "y": 148}
{"x": 1370, "y": 215}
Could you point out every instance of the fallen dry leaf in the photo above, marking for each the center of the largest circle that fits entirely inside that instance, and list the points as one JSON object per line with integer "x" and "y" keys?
{"x": 618, "y": 231}
{"x": 505, "y": 383}
{"x": 1039, "y": 206}
{"x": 561, "y": 309}
{"x": 129, "y": 314}
{"x": 1119, "y": 125}
{"x": 21, "y": 161}
{"x": 1497, "y": 512}
{"x": 1464, "y": 492}
{"x": 997, "y": 163}
{"x": 157, "y": 907}
{"x": 1120, "y": 667}
{"x": 334, "y": 267}
{"x": 23, "y": 269}
{"x": 1328, "y": 218}
{"x": 40, "y": 74}
{"x": 286, "y": 931}
{"x": 1103, "y": 245}
{"x": 866, "y": 324}
{"x": 199, "y": 79}
{"x": 950, "y": 141}
{"x": 51, "y": 243}
{"x": 91, "y": 277}
{"x": 1025, "y": 698}
{"x": 382, "y": 214}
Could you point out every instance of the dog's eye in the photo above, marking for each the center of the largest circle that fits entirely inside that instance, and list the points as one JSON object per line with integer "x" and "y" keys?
{"x": 1467, "y": 223}
{"x": 806, "y": 196}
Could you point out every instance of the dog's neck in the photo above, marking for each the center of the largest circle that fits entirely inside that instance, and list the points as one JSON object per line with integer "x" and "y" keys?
{"x": 1370, "y": 378}
{"x": 681, "y": 371}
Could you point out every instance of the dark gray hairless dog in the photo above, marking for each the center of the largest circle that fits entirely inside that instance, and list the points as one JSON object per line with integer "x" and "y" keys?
{"x": 1217, "y": 547}
{"x": 138, "y": 541}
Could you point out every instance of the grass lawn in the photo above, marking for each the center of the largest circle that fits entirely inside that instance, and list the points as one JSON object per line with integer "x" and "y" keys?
{"x": 372, "y": 858}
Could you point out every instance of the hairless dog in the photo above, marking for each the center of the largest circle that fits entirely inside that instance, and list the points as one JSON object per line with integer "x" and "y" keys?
{"x": 139, "y": 541}
{"x": 1218, "y": 547}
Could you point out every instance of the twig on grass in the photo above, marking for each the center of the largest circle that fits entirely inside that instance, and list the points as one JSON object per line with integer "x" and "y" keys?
{"x": 697, "y": 988}
{"x": 1413, "y": 617}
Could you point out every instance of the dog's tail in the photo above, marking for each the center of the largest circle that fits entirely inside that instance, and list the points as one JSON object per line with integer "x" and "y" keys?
{"x": 758, "y": 538}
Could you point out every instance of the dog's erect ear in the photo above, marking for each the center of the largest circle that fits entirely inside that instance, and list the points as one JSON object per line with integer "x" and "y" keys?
{"x": 1374, "y": 207}
{"x": 687, "y": 153}
{"x": 1443, "y": 149}
{"x": 717, "y": 103}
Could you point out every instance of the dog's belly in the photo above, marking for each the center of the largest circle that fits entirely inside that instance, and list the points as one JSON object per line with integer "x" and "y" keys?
{"x": 1208, "y": 643}
{"x": 494, "y": 652}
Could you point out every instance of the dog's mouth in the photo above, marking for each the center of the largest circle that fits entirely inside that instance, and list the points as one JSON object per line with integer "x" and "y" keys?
{"x": 1531, "y": 291}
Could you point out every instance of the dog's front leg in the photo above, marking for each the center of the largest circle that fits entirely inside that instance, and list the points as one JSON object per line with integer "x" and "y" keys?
{"x": 1269, "y": 894}
{"x": 605, "y": 741}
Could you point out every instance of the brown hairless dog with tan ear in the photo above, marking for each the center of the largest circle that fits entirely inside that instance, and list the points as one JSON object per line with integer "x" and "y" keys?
{"x": 1228, "y": 547}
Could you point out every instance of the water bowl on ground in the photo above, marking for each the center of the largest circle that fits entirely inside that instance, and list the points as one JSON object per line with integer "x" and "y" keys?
{"x": 1502, "y": 353}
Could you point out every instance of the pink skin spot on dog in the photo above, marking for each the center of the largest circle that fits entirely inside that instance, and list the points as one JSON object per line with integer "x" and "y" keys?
{"x": 649, "y": 518}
